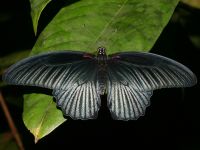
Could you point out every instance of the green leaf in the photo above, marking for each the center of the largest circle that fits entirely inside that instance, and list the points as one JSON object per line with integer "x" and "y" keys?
{"x": 128, "y": 25}
{"x": 41, "y": 115}
{"x": 117, "y": 25}
{"x": 37, "y": 7}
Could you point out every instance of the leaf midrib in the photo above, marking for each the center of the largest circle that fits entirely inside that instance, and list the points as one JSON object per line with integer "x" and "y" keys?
{"x": 37, "y": 131}
{"x": 110, "y": 22}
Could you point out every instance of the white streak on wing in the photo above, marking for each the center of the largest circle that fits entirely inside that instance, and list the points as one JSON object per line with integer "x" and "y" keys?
{"x": 61, "y": 78}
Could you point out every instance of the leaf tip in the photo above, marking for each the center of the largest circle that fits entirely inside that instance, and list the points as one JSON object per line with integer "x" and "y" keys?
{"x": 36, "y": 140}
{"x": 36, "y": 134}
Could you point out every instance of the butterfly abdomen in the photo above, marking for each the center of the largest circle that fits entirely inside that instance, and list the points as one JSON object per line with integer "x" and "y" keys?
{"x": 102, "y": 78}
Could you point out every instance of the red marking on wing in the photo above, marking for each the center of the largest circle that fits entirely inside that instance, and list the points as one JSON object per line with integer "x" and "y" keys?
{"x": 115, "y": 57}
{"x": 86, "y": 55}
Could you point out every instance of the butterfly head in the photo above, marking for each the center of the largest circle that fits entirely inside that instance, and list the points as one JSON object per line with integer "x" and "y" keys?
{"x": 101, "y": 51}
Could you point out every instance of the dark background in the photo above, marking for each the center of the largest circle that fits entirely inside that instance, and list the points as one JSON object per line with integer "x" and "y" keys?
{"x": 172, "y": 120}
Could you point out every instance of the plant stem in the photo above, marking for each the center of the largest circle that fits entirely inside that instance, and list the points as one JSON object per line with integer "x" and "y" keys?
{"x": 11, "y": 123}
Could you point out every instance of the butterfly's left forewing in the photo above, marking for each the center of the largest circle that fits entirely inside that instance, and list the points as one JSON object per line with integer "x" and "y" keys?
{"x": 148, "y": 71}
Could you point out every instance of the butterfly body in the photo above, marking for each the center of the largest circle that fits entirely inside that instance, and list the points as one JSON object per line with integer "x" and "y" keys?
{"x": 102, "y": 70}
{"x": 78, "y": 79}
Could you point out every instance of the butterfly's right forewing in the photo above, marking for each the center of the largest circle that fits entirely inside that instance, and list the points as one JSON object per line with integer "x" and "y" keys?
{"x": 44, "y": 70}
{"x": 72, "y": 77}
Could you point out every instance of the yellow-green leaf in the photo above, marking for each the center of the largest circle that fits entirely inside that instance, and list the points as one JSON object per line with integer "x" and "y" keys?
{"x": 40, "y": 115}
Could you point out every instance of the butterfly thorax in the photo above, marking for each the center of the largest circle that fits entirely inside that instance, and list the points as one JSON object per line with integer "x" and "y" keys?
{"x": 101, "y": 56}
{"x": 102, "y": 65}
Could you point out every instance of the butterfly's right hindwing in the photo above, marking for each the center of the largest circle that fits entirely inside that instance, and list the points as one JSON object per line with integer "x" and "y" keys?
{"x": 79, "y": 101}
{"x": 78, "y": 96}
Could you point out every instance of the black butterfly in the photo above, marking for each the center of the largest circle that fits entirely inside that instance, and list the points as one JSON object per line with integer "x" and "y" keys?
{"x": 78, "y": 79}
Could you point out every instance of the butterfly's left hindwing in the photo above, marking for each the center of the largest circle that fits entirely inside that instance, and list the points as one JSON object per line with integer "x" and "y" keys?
{"x": 133, "y": 76}
{"x": 147, "y": 71}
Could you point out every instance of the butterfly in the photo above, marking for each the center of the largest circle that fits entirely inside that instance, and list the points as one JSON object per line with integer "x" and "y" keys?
{"x": 78, "y": 79}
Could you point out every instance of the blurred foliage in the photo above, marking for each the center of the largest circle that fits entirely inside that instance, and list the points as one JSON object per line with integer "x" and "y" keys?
{"x": 12, "y": 58}
{"x": 7, "y": 142}
{"x": 195, "y": 40}
{"x": 188, "y": 18}
{"x": 192, "y": 3}
{"x": 5, "y": 16}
